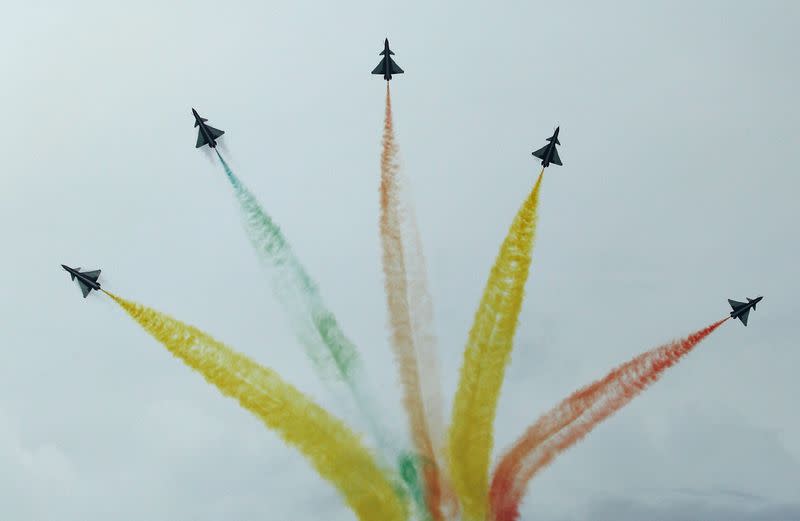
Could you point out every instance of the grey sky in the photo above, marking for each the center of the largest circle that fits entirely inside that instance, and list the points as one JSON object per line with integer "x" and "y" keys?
{"x": 679, "y": 125}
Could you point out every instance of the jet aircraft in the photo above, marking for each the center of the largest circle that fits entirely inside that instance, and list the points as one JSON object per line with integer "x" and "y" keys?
{"x": 548, "y": 153}
{"x": 87, "y": 280}
{"x": 206, "y": 135}
{"x": 387, "y": 66}
{"x": 742, "y": 309}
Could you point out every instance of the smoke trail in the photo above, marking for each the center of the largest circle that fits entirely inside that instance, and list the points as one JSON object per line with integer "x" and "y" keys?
{"x": 421, "y": 306}
{"x": 333, "y": 449}
{"x": 409, "y": 465}
{"x": 485, "y": 359}
{"x": 334, "y": 356}
{"x": 572, "y": 419}
{"x": 426, "y": 348}
{"x": 396, "y": 286}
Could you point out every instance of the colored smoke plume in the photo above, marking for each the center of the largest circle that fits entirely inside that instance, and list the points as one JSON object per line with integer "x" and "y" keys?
{"x": 572, "y": 419}
{"x": 334, "y": 356}
{"x": 332, "y": 448}
{"x": 485, "y": 358}
{"x": 397, "y": 297}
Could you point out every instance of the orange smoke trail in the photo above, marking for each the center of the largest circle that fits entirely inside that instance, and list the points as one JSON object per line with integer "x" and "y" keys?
{"x": 571, "y": 420}
{"x": 422, "y": 324}
{"x": 402, "y": 339}
{"x": 424, "y": 336}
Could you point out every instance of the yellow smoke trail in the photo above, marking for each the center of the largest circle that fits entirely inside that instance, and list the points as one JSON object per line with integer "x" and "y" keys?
{"x": 485, "y": 359}
{"x": 402, "y": 338}
{"x": 332, "y": 448}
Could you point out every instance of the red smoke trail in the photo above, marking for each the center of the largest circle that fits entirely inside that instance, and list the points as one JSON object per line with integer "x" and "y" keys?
{"x": 572, "y": 419}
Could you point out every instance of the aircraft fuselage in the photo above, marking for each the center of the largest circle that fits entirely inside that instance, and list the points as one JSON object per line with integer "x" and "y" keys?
{"x": 77, "y": 274}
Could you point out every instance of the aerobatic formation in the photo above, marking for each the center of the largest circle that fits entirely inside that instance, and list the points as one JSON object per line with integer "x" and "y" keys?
{"x": 444, "y": 472}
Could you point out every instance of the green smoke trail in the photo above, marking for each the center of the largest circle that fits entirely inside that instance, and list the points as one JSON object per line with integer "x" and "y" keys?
{"x": 334, "y": 356}
{"x": 410, "y": 468}
{"x": 332, "y": 352}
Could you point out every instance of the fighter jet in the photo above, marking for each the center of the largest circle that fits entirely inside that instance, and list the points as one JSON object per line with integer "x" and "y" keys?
{"x": 387, "y": 66}
{"x": 207, "y": 135}
{"x": 742, "y": 309}
{"x": 548, "y": 153}
{"x": 87, "y": 280}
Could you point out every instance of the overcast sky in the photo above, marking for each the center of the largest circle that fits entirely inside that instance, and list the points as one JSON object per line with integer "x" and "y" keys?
{"x": 679, "y": 124}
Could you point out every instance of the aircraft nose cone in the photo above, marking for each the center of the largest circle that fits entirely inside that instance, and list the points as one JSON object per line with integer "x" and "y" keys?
{"x": 63, "y": 266}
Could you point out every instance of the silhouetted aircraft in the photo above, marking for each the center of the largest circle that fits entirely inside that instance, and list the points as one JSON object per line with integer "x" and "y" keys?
{"x": 742, "y": 309}
{"x": 387, "y": 66}
{"x": 87, "y": 280}
{"x": 548, "y": 153}
{"x": 207, "y": 135}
